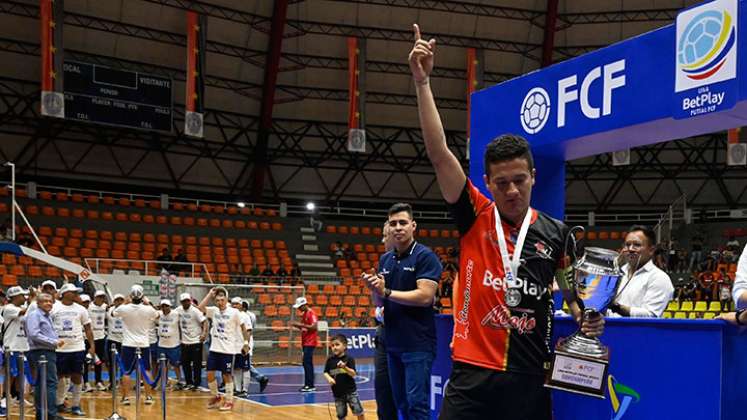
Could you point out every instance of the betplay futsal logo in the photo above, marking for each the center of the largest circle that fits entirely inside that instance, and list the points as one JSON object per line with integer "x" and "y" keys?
{"x": 537, "y": 106}
{"x": 706, "y": 47}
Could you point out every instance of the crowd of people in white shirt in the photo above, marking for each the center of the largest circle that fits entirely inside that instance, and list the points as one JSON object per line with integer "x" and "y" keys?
{"x": 87, "y": 331}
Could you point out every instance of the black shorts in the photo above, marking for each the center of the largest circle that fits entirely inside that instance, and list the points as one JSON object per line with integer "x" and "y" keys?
{"x": 100, "y": 346}
{"x": 480, "y": 393}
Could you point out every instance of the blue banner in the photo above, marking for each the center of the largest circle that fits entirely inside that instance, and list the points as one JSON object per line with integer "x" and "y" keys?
{"x": 659, "y": 369}
{"x": 674, "y": 82}
{"x": 361, "y": 341}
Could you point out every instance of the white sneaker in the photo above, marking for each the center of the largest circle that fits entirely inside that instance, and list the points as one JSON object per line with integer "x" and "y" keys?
{"x": 101, "y": 387}
{"x": 124, "y": 401}
{"x": 87, "y": 387}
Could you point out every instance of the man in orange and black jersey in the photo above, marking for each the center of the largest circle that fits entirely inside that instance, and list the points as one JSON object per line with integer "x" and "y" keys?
{"x": 502, "y": 305}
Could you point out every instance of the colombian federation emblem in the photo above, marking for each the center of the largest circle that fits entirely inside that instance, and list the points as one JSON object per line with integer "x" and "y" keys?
{"x": 706, "y": 45}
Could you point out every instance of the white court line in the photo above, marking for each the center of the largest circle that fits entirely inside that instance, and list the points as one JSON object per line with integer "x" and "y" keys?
{"x": 301, "y": 393}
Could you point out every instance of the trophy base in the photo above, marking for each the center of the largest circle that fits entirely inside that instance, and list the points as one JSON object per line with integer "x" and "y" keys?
{"x": 581, "y": 345}
{"x": 579, "y": 365}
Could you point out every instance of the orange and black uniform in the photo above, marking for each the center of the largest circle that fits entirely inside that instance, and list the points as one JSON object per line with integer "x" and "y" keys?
{"x": 502, "y": 332}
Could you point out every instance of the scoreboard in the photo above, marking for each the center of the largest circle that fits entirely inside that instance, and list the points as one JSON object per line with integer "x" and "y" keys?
{"x": 116, "y": 97}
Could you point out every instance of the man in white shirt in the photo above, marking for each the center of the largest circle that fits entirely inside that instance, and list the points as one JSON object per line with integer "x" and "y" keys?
{"x": 114, "y": 334}
{"x": 193, "y": 326}
{"x": 73, "y": 326}
{"x": 85, "y": 301}
{"x": 227, "y": 325}
{"x": 242, "y": 361}
{"x": 14, "y": 329}
{"x": 97, "y": 311}
{"x": 138, "y": 318}
{"x": 645, "y": 290}
{"x": 168, "y": 339}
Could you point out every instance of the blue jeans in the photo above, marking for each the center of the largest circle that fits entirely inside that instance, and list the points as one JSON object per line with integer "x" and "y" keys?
{"x": 385, "y": 407}
{"x": 51, "y": 390}
{"x": 410, "y": 376}
{"x": 308, "y": 366}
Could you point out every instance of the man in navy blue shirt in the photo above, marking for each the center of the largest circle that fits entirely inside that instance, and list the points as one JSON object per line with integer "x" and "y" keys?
{"x": 406, "y": 287}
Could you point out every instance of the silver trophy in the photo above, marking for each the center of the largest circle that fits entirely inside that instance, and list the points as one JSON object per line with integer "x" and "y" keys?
{"x": 580, "y": 362}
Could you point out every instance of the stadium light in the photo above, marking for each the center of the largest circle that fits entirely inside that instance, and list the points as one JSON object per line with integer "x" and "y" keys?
{"x": 241, "y": 204}
{"x": 310, "y": 206}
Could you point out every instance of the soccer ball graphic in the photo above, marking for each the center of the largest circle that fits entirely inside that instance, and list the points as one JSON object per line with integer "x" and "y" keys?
{"x": 699, "y": 37}
{"x": 535, "y": 110}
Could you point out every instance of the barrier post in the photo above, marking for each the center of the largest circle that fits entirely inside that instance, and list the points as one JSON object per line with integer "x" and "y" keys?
{"x": 164, "y": 381}
{"x": 8, "y": 381}
{"x": 114, "y": 415}
{"x": 42, "y": 378}
{"x": 138, "y": 378}
{"x": 21, "y": 387}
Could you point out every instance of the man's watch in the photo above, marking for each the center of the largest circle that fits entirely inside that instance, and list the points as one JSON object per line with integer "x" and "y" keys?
{"x": 738, "y": 314}
{"x": 387, "y": 292}
{"x": 614, "y": 307}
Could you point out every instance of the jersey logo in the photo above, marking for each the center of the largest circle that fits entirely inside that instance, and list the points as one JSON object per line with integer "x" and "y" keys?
{"x": 500, "y": 317}
{"x": 543, "y": 250}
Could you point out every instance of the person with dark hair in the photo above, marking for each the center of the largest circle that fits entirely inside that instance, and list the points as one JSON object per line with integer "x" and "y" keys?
{"x": 385, "y": 407}
{"x": 339, "y": 371}
{"x": 645, "y": 290}
{"x": 406, "y": 287}
{"x": 509, "y": 254}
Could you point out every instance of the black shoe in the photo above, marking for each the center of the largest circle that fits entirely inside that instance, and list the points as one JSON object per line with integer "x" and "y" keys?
{"x": 263, "y": 384}
{"x": 222, "y": 389}
{"x": 240, "y": 394}
{"x": 307, "y": 389}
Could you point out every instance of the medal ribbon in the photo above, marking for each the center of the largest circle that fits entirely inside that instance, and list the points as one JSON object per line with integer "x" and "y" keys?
{"x": 511, "y": 265}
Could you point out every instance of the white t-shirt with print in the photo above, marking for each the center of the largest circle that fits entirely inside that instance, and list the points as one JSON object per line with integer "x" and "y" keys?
{"x": 98, "y": 320}
{"x": 168, "y": 330}
{"x": 226, "y": 326}
{"x": 69, "y": 322}
{"x": 14, "y": 325}
{"x": 138, "y": 321}
{"x": 190, "y": 322}
{"x": 115, "y": 326}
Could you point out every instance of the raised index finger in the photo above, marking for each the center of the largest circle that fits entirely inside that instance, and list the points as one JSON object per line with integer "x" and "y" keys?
{"x": 416, "y": 30}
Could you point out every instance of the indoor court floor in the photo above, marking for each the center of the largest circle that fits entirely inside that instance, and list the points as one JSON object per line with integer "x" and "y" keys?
{"x": 281, "y": 400}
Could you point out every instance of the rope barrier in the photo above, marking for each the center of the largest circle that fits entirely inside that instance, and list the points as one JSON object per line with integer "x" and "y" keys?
{"x": 147, "y": 379}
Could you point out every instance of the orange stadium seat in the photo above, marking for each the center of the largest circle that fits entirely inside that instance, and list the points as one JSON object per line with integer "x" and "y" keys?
{"x": 365, "y": 230}
{"x": 9, "y": 280}
{"x": 331, "y": 229}
{"x": 214, "y": 223}
{"x": 377, "y": 231}
{"x": 61, "y": 196}
{"x": 422, "y": 233}
{"x": 93, "y": 199}
{"x": 343, "y": 230}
